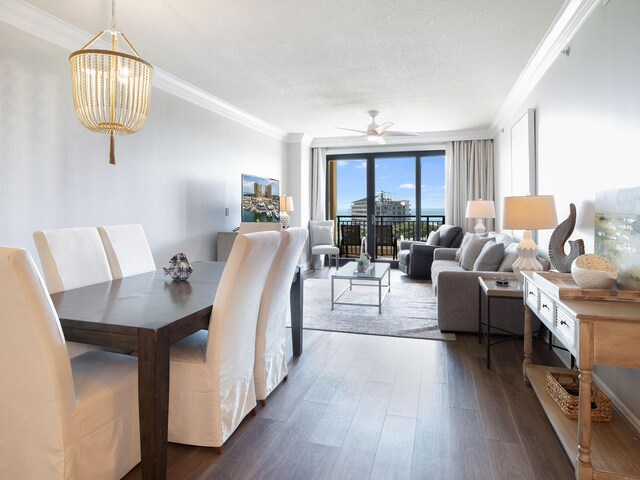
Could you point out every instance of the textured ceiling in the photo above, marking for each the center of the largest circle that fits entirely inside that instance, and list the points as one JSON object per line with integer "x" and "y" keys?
{"x": 311, "y": 65}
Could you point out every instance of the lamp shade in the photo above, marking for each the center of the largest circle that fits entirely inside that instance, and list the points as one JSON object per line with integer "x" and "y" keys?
{"x": 534, "y": 212}
{"x": 481, "y": 209}
{"x": 286, "y": 203}
{"x": 289, "y": 207}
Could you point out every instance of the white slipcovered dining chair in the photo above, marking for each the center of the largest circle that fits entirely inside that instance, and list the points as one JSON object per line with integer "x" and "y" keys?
{"x": 127, "y": 250}
{"x": 211, "y": 372}
{"x": 321, "y": 241}
{"x": 59, "y": 418}
{"x": 271, "y": 363}
{"x": 72, "y": 258}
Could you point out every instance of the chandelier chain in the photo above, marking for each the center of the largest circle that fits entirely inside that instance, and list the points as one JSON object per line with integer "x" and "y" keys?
{"x": 114, "y": 25}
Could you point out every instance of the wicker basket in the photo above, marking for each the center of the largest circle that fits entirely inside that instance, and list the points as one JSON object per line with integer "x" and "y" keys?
{"x": 564, "y": 389}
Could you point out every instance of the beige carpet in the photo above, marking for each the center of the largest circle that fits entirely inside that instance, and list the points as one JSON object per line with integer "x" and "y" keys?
{"x": 408, "y": 311}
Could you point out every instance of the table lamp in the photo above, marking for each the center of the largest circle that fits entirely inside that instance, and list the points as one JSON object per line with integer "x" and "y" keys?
{"x": 535, "y": 212}
{"x": 286, "y": 205}
{"x": 480, "y": 209}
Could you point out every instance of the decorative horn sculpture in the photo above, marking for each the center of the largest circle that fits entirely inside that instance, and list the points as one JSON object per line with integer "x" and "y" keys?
{"x": 560, "y": 260}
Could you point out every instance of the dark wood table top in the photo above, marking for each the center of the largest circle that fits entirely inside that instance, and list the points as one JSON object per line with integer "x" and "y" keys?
{"x": 140, "y": 301}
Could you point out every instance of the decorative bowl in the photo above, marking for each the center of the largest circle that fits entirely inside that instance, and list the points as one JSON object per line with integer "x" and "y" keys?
{"x": 592, "y": 271}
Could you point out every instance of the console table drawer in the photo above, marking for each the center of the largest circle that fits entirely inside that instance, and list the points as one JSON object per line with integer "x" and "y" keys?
{"x": 565, "y": 328}
{"x": 532, "y": 296}
{"x": 546, "y": 308}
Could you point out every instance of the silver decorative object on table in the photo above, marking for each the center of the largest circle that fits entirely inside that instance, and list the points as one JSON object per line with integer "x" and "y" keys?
{"x": 179, "y": 267}
{"x": 560, "y": 260}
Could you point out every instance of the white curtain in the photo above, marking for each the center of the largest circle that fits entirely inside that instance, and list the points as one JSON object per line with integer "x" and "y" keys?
{"x": 318, "y": 183}
{"x": 468, "y": 176}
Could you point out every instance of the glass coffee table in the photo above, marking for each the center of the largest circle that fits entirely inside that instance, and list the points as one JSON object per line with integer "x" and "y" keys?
{"x": 372, "y": 278}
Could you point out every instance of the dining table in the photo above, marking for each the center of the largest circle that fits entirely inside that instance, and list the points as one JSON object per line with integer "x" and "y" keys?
{"x": 146, "y": 313}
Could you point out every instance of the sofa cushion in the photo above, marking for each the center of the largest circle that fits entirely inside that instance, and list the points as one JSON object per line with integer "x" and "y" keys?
{"x": 442, "y": 266}
{"x": 465, "y": 240}
{"x": 510, "y": 256}
{"x": 433, "y": 238}
{"x": 472, "y": 251}
{"x": 490, "y": 257}
{"x": 504, "y": 238}
{"x": 448, "y": 234}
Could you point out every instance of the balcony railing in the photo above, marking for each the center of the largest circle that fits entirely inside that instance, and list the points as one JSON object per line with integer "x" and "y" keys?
{"x": 390, "y": 229}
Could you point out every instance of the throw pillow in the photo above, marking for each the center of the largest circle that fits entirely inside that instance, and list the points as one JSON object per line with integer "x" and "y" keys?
{"x": 510, "y": 256}
{"x": 323, "y": 235}
{"x": 448, "y": 234}
{"x": 472, "y": 251}
{"x": 433, "y": 238}
{"x": 465, "y": 240}
{"x": 490, "y": 257}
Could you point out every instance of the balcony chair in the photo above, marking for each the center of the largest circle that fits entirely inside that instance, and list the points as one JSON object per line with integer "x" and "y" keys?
{"x": 270, "y": 366}
{"x": 321, "y": 241}
{"x": 127, "y": 250}
{"x": 385, "y": 238}
{"x": 211, "y": 386}
{"x": 349, "y": 240}
{"x": 59, "y": 418}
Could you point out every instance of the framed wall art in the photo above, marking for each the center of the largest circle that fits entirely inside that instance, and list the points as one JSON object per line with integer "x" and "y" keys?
{"x": 260, "y": 199}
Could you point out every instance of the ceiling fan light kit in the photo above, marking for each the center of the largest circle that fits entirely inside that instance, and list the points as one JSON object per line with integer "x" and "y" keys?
{"x": 375, "y": 132}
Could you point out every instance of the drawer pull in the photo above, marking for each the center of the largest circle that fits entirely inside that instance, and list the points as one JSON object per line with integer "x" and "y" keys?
{"x": 563, "y": 322}
{"x": 544, "y": 305}
{"x": 531, "y": 293}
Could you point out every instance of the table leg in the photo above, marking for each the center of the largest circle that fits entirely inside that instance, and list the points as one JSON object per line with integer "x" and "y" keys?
{"x": 528, "y": 341}
{"x": 585, "y": 467}
{"x": 380, "y": 296}
{"x": 153, "y": 401}
{"x": 296, "y": 298}
{"x": 332, "y": 293}
{"x": 480, "y": 315}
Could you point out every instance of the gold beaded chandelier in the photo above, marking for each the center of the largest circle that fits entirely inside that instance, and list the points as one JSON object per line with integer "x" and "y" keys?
{"x": 111, "y": 90}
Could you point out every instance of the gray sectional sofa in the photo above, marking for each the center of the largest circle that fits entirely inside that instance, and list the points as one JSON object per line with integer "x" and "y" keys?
{"x": 458, "y": 294}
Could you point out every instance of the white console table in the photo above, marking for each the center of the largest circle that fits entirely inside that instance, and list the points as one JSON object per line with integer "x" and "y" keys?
{"x": 600, "y": 332}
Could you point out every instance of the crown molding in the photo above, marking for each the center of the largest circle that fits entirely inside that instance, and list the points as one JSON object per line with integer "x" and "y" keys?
{"x": 32, "y": 20}
{"x": 302, "y": 138}
{"x": 418, "y": 140}
{"x": 567, "y": 23}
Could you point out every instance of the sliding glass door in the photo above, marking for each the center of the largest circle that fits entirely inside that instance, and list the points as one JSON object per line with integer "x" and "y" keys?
{"x": 386, "y": 198}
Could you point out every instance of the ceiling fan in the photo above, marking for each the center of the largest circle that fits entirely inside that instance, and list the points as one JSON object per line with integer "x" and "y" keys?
{"x": 376, "y": 133}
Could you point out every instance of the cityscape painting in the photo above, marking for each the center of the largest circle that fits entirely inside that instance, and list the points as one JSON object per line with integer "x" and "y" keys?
{"x": 260, "y": 199}
{"x": 617, "y": 232}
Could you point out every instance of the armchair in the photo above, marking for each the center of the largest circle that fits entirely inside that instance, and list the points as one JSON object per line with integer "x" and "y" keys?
{"x": 415, "y": 258}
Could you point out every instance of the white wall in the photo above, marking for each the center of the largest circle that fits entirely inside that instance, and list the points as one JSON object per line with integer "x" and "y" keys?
{"x": 298, "y": 185}
{"x": 175, "y": 176}
{"x": 588, "y": 133}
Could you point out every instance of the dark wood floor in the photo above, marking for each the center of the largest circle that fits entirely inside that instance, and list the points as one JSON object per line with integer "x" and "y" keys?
{"x": 369, "y": 407}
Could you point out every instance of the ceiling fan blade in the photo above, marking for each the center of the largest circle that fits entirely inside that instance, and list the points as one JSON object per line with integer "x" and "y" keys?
{"x": 399, "y": 134}
{"x": 352, "y": 130}
{"x": 381, "y": 128}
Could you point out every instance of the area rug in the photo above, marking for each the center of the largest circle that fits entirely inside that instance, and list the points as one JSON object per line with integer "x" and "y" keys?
{"x": 408, "y": 311}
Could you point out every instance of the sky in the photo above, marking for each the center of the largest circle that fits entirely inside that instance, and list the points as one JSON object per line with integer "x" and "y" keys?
{"x": 396, "y": 177}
